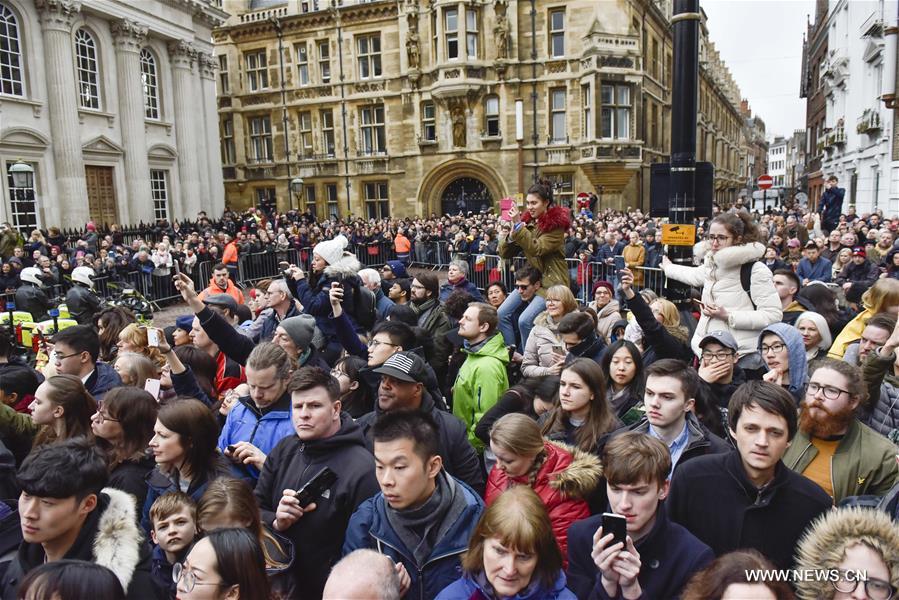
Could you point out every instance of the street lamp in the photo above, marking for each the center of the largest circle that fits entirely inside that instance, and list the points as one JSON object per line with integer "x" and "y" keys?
{"x": 296, "y": 186}
{"x": 22, "y": 174}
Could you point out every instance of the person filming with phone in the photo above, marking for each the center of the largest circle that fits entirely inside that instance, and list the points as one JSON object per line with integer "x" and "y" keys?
{"x": 313, "y": 515}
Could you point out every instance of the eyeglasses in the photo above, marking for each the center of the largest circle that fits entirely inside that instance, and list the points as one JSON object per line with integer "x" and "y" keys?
{"x": 103, "y": 417}
{"x": 828, "y": 391}
{"x": 60, "y": 357}
{"x": 776, "y": 348}
{"x": 335, "y": 373}
{"x": 719, "y": 238}
{"x": 723, "y": 355}
{"x": 875, "y": 589}
{"x": 603, "y": 292}
{"x": 522, "y": 286}
{"x": 188, "y": 578}
{"x": 376, "y": 343}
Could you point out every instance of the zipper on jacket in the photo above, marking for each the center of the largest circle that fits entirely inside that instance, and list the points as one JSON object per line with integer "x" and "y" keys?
{"x": 421, "y": 568}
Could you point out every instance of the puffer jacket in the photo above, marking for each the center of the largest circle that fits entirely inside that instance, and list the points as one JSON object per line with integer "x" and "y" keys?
{"x": 538, "y": 352}
{"x": 262, "y": 428}
{"x": 826, "y": 542}
{"x": 543, "y": 245}
{"x": 467, "y": 588}
{"x": 83, "y": 304}
{"x": 566, "y": 477}
{"x": 607, "y": 316}
{"x": 480, "y": 383}
{"x": 719, "y": 277}
{"x": 881, "y": 411}
{"x": 313, "y": 293}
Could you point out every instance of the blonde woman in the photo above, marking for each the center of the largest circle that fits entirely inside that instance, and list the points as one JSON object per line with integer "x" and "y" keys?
{"x": 842, "y": 259}
{"x": 133, "y": 338}
{"x": 135, "y": 369}
{"x": 545, "y": 352}
{"x": 562, "y": 476}
{"x": 883, "y": 296}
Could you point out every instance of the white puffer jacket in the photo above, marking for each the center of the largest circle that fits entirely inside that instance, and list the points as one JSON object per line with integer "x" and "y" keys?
{"x": 719, "y": 277}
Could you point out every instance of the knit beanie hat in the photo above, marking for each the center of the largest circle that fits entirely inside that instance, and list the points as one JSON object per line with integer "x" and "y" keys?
{"x": 300, "y": 329}
{"x": 331, "y": 250}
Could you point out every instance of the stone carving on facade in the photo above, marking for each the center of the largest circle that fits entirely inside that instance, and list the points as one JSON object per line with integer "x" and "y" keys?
{"x": 129, "y": 35}
{"x": 207, "y": 64}
{"x": 457, "y": 116}
{"x": 58, "y": 14}
{"x": 413, "y": 42}
{"x": 182, "y": 53}
{"x": 501, "y": 30}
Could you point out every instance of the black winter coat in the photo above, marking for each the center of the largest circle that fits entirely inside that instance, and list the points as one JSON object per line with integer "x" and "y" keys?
{"x": 131, "y": 476}
{"x": 34, "y": 300}
{"x": 318, "y": 535}
{"x": 83, "y": 304}
{"x": 713, "y": 498}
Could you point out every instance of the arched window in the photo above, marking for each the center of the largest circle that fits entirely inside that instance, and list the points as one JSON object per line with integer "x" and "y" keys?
{"x": 151, "y": 84}
{"x": 88, "y": 70}
{"x": 10, "y": 54}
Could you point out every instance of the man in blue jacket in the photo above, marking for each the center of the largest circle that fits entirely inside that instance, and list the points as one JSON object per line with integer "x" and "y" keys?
{"x": 665, "y": 555}
{"x": 259, "y": 421}
{"x": 814, "y": 267}
{"x": 831, "y": 206}
{"x": 77, "y": 351}
{"x": 423, "y": 518}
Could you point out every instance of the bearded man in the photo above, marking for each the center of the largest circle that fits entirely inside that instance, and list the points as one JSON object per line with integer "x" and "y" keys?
{"x": 832, "y": 447}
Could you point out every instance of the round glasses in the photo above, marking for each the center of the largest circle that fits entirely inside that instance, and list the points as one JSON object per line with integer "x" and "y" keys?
{"x": 187, "y": 578}
{"x": 875, "y": 589}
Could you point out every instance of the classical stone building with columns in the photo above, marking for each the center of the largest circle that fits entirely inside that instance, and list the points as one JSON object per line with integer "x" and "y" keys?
{"x": 112, "y": 103}
{"x": 408, "y": 107}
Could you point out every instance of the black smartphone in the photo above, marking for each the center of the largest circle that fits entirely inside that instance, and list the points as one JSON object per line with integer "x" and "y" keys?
{"x": 617, "y": 526}
{"x": 619, "y": 263}
{"x": 315, "y": 487}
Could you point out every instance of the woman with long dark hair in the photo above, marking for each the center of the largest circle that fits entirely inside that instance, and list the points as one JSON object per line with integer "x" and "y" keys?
{"x": 184, "y": 447}
{"x": 539, "y": 234}
{"x": 123, "y": 427}
{"x": 62, "y": 407}
{"x": 231, "y": 560}
{"x": 622, "y": 367}
{"x": 355, "y": 397}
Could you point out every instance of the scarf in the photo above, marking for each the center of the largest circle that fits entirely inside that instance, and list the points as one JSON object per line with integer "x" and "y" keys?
{"x": 421, "y": 528}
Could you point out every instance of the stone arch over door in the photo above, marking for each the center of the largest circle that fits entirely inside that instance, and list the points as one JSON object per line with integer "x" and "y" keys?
{"x": 430, "y": 193}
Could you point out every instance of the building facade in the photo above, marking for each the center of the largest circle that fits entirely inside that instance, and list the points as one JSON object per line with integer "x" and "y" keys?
{"x": 777, "y": 161}
{"x": 857, "y": 140}
{"x": 420, "y": 107}
{"x": 756, "y": 146}
{"x": 814, "y": 51}
{"x": 794, "y": 178}
{"x": 112, "y": 103}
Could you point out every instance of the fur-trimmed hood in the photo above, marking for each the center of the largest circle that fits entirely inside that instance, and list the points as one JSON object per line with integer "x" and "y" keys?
{"x": 730, "y": 257}
{"x": 347, "y": 266}
{"x": 117, "y": 544}
{"x": 555, "y": 217}
{"x": 582, "y": 474}
{"x": 826, "y": 541}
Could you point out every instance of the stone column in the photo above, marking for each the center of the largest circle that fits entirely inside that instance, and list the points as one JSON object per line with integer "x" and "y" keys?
{"x": 199, "y": 124}
{"x": 183, "y": 55}
{"x": 216, "y": 200}
{"x": 129, "y": 39}
{"x": 56, "y": 18}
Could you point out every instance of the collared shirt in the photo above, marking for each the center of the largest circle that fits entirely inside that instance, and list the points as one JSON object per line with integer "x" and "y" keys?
{"x": 88, "y": 376}
{"x": 676, "y": 448}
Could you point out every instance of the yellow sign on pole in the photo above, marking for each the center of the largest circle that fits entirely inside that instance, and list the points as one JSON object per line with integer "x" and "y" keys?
{"x": 519, "y": 199}
{"x": 678, "y": 235}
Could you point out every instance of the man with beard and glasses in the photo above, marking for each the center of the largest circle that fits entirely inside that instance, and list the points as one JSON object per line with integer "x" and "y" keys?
{"x": 832, "y": 447}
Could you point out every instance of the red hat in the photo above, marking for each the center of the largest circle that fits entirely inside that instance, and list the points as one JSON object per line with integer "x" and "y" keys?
{"x": 859, "y": 251}
{"x": 605, "y": 284}
{"x": 91, "y": 226}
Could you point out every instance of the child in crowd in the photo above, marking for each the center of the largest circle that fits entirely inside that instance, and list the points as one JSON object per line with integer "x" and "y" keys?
{"x": 174, "y": 519}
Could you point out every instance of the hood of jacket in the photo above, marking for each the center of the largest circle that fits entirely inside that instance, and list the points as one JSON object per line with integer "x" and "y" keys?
{"x": 570, "y": 470}
{"x": 110, "y": 537}
{"x": 348, "y": 265}
{"x": 732, "y": 256}
{"x": 795, "y": 352}
{"x": 495, "y": 347}
{"x": 825, "y": 543}
{"x": 555, "y": 217}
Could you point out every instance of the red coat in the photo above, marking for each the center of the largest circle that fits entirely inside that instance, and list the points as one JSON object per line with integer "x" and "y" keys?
{"x": 565, "y": 478}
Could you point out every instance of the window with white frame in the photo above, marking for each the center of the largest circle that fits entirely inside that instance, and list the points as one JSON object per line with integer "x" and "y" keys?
{"x": 303, "y": 64}
{"x": 22, "y": 203}
{"x": 260, "y": 139}
{"x": 87, "y": 69}
{"x": 368, "y": 55}
{"x": 224, "y": 83}
{"x": 471, "y": 32}
{"x": 451, "y": 32}
{"x": 257, "y": 70}
{"x": 563, "y": 187}
{"x": 229, "y": 156}
{"x": 558, "y": 125}
{"x": 491, "y": 116}
{"x": 324, "y": 60}
{"x": 306, "y": 148}
{"x": 150, "y": 82}
{"x": 309, "y": 192}
{"x": 331, "y": 189}
{"x": 327, "y": 119}
{"x": 374, "y": 140}
{"x": 160, "y": 192}
{"x": 11, "y": 79}
{"x": 377, "y": 206}
{"x": 587, "y": 104}
{"x": 616, "y": 111}
{"x": 429, "y": 122}
{"x": 557, "y": 33}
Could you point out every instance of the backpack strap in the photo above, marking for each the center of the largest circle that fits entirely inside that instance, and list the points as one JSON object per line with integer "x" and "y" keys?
{"x": 746, "y": 280}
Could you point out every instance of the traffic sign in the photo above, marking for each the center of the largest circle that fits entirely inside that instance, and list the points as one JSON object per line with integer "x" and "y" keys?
{"x": 765, "y": 182}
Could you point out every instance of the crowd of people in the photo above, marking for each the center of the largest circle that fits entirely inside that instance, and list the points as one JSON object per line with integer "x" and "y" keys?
{"x": 345, "y": 432}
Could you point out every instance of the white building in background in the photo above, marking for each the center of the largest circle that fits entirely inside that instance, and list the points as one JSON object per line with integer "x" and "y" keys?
{"x": 777, "y": 161}
{"x": 112, "y": 103}
{"x": 858, "y": 69}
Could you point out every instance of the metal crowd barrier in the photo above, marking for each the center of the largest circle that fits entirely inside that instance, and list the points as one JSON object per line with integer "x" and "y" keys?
{"x": 257, "y": 266}
{"x": 432, "y": 255}
{"x": 374, "y": 253}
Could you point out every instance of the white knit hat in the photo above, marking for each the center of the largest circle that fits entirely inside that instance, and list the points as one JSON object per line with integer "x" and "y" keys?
{"x": 331, "y": 250}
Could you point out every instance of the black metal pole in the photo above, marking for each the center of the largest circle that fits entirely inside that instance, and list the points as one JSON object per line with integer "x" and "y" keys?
{"x": 277, "y": 25}
{"x": 535, "y": 138}
{"x": 685, "y": 24}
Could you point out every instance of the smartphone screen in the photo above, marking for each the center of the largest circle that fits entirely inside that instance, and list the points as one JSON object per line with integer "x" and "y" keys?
{"x": 152, "y": 337}
{"x": 616, "y": 525}
{"x": 153, "y": 386}
{"x": 619, "y": 263}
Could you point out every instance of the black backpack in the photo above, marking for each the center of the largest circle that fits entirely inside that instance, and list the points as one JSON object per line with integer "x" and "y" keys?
{"x": 746, "y": 280}
{"x": 365, "y": 306}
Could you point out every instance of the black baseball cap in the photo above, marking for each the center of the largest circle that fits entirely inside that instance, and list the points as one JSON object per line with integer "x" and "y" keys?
{"x": 405, "y": 366}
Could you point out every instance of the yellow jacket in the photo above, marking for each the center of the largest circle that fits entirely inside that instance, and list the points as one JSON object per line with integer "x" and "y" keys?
{"x": 851, "y": 332}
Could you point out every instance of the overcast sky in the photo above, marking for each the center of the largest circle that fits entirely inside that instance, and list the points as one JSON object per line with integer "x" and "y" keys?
{"x": 761, "y": 43}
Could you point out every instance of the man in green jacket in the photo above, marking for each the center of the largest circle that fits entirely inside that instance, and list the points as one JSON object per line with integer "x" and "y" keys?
{"x": 482, "y": 380}
{"x": 832, "y": 447}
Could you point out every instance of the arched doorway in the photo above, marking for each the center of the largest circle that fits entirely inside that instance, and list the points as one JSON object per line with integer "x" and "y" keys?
{"x": 466, "y": 194}
{"x": 439, "y": 180}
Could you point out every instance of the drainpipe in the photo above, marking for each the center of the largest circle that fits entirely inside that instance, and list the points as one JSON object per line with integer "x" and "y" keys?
{"x": 276, "y": 23}
{"x": 535, "y": 138}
